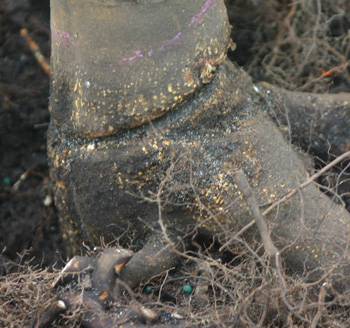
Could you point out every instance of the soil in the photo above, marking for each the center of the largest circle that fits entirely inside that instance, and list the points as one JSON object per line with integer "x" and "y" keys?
{"x": 25, "y": 222}
{"x": 28, "y": 221}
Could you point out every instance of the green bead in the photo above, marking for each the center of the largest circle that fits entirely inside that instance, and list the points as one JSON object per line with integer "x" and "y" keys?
{"x": 187, "y": 289}
{"x": 6, "y": 181}
{"x": 148, "y": 289}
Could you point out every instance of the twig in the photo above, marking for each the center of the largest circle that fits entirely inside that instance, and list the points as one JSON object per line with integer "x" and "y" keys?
{"x": 25, "y": 175}
{"x": 331, "y": 71}
{"x": 294, "y": 191}
{"x": 307, "y": 182}
{"x": 162, "y": 285}
{"x": 314, "y": 38}
{"x": 244, "y": 229}
{"x": 320, "y": 307}
{"x": 34, "y": 48}
{"x": 278, "y": 265}
{"x": 18, "y": 183}
{"x": 242, "y": 183}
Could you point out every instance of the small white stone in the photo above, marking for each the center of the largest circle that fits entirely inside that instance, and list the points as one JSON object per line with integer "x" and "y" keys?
{"x": 61, "y": 305}
{"x": 256, "y": 89}
{"x": 47, "y": 200}
{"x": 91, "y": 146}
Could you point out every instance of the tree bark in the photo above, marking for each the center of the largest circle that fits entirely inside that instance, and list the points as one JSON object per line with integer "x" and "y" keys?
{"x": 175, "y": 170}
{"x": 319, "y": 123}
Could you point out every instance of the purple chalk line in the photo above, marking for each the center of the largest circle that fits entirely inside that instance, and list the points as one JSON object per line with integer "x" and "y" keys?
{"x": 138, "y": 54}
{"x": 166, "y": 44}
{"x": 198, "y": 16}
{"x": 63, "y": 37}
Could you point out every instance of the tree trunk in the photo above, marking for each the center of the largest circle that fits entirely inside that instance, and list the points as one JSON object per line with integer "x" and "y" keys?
{"x": 123, "y": 167}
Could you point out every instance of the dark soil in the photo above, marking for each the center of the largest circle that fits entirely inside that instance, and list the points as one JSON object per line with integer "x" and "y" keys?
{"x": 25, "y": 222}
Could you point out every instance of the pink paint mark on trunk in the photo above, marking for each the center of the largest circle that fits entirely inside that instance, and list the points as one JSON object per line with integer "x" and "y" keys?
{"x": 67, "y": 36}
{"x": 168, "y": 43}
{"x": 201, "y": 13}
{"x": 63, "y": 37}
{"x": 138, "y": 54}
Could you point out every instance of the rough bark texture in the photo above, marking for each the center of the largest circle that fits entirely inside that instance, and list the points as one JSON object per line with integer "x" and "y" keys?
{"x": 176, "y": 173}
{"x": 319, "y": 123}
{"x": 118, "y": 64}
